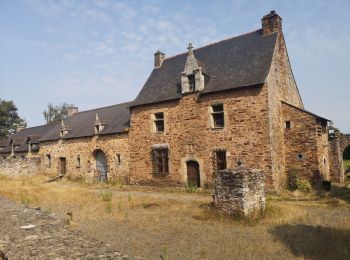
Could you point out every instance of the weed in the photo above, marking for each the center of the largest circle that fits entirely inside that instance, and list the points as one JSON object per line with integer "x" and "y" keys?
{"x": 292, "y": 180}
{"x": 106, "y": 195}
{"x": 109, "y": 207}
{"x": 25, "y": 200}
{"x": 164, "y": 254}
{"x": 303, "y": 185}
{"x": 190, "y": 188}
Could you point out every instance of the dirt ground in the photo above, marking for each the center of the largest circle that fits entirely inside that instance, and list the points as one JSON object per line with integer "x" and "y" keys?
{"x": 157, "y": 223}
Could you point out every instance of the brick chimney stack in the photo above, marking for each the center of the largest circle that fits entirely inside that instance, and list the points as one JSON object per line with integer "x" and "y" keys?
{"x": 271, "y": 22}
{"x": 72, "y": 111}
{"x": 158, "y": 59}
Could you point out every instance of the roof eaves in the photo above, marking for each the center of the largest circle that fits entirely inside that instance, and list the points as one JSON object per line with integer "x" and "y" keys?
{"x": 305, "y": 111}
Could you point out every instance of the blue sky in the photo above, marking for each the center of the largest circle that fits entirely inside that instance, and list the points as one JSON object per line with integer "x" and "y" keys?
{"x": 98, "y": 53}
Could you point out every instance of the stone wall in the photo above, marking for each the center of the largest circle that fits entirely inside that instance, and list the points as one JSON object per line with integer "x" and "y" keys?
{"x": 20, "y": 166}
{"x": 336, "y": 156}
{"x": 110, "y": 145}
{"x": 240, "y": 191}
{"x": 190, "y": 137}
{"x": 281, "y": 86}
{"x": 306, "y": 149}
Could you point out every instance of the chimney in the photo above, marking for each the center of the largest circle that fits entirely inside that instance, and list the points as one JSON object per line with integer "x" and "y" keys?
{"x": 271, "y": 22}
{"x": 158, "y": 59}
{"x": 72, "y": 111}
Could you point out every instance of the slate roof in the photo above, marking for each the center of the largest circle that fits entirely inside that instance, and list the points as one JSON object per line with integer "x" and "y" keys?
{"x": 116, "y": 119}
{"x": 233, "y": 63}
{"x": 21, "y": 137}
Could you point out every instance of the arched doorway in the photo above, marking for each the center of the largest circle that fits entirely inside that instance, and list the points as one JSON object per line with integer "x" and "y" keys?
{"x": 193, "y": 175}
{"x": 101, "y": 165}
{"x": 346, "y": 159}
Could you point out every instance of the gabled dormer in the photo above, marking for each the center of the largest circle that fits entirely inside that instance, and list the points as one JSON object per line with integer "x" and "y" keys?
{"x": 192, "y": 78}
{"x": 99, "y": 126}
{"x": 64, "y": 129}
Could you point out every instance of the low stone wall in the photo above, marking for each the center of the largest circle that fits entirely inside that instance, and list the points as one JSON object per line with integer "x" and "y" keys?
{"x": 240, "y": 191}
{"x": 19, "y": 166}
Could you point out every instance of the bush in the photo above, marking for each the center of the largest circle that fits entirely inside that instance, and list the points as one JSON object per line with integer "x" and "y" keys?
{"x": 106, "y": 195}
{"x": 304, "y": 185}
{"x": 190, "y": 188}
{"x": 292, "y": 180}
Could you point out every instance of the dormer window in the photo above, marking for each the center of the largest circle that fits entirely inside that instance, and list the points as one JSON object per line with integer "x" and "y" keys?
{"x": 191, "y": 82}
{"x": 192, "y": 77}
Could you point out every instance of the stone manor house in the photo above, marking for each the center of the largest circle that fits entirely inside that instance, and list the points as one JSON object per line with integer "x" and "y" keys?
{"x": 227, "y": 103}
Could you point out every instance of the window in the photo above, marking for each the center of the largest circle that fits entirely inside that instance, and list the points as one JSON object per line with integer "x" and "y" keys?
{"x": 48, "y": 157}
{"x": 219, "y": 160}
{"x": 118, "y": 159}
{"x": 191, "y": 82}
{"x": 288, "y": 125}
{"x": 78, "y": 161}
{"x": 160, "y": 161}
{"x": 159, "y": 122}
{"x": 218, "y": 116}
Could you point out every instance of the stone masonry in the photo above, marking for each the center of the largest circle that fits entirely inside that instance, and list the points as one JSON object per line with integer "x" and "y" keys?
{"x": 19, "y": 166}
{"x": 240, "y": 191}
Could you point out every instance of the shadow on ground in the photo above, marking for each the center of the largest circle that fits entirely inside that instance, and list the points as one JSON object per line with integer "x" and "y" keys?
{"x": 340, "y": 192}
{"x": 314, "y": 242}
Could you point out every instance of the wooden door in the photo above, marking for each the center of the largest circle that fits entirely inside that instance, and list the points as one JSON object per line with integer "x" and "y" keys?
{"x": 63, "y": 165}
{"x": 101, "y": 165}
{"x": 193, "y": 176}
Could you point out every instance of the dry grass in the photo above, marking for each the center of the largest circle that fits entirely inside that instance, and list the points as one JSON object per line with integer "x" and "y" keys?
{"x": 172, "y": 224}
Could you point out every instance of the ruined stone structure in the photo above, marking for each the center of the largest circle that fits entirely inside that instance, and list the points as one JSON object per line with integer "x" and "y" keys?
{"x": 200, "y": 112}
{"x": 20, "y": 166}
{"x": 240, "y": 191}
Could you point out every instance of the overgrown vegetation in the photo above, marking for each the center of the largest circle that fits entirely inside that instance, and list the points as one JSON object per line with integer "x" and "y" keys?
{"x": 106, "y": 195}
{"x": 295, "y": 182}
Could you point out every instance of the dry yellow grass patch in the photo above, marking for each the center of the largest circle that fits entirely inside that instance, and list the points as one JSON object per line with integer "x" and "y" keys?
{"x": 168, "y": 223}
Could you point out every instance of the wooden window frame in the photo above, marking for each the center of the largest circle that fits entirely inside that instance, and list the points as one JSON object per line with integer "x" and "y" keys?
{"x": 215, "y": 113}
{"x": 159, "y": 122}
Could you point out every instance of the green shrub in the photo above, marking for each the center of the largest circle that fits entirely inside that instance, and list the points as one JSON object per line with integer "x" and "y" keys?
{"x": 190, "y": 188}
{"x": 106, "y": 195}
{"x": 292, "y": 179}
{"x": 304, "y": 185}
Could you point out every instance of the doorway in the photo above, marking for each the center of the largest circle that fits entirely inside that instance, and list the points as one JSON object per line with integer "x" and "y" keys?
{"x": 63, "y": 165}
{"x": 101, "y": 165}
{"x": 193, "y": 175}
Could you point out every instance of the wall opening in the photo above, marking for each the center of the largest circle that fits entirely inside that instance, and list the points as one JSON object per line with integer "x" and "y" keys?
{"x": 101, "y": 165}
{"x": 346, "y": 159}
{"x": 193, "y": 174}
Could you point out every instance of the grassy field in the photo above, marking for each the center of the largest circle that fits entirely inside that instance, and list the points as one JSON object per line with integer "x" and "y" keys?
{"x": 160, "y": 223}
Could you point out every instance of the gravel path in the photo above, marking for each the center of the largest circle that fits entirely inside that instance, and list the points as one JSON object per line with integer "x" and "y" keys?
{"x": 27, "y": 233}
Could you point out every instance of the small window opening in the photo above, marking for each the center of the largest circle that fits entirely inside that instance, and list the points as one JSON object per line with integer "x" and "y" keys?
{"x": 160, "y": 161}
{"x": 288, "y": 125}
{"x": 118, "y": 159}
{"x": 192, "y": 82}
{"x": 78, "y": 161}
{"x": 220, "y": 162}
{"x": 159, "y": 122}
{"x": 218, "y": 116}
{"x": 48, "y": 157}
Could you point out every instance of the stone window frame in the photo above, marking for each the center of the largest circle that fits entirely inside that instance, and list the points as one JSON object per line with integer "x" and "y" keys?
{"x": 288, "y": 124}
{"x": 212, "y": 113}
{"x": 156, "y": 120}
{"x": 160, "y": 161}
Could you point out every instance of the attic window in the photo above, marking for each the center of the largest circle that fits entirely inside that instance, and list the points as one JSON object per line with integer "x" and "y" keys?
{"x": 191, "y": 82}
{"x": 159, "y": 122}
{"x": 217, "y": 114}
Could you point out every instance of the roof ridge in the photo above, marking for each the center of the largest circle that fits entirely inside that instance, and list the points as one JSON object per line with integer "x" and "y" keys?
{"x": 213, "y": 43}
{"x": 85, "y": 111}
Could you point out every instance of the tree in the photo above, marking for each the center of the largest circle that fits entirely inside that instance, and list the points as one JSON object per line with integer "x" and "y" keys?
{"x": 56, "y": 113}
{"x": 9, "y": 119}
